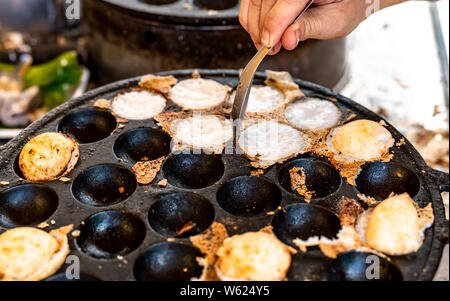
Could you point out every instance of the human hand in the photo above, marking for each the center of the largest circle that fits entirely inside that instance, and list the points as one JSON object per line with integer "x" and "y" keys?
{"x": 269, "y": 22}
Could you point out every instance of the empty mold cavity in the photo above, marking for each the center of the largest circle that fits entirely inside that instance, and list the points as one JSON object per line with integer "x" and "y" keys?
{"x": 216, "y": 4}
{"x": 109, "y": 234}
{"x": 142, "y": 143}
{"x": 103, "y": 185}
{"x": 380, "y": 179}
{"x": 63, "y": 277}
{"x": 358, "y": 266}
{"x": 88, "y": 125}
{"x": 193, "y": 171}
{"x": 321, "y": 177}
{"x": 168, "y": 262}
{"x": 27, "y": 205}
{"x": 308, "y": 266}
{"x": 249, "y": 196}
{"x": 304, "y": 221}
{"x": 181, "y": 214}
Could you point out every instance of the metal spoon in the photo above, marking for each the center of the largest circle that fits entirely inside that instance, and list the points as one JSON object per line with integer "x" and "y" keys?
{"x": 246, "y": 79}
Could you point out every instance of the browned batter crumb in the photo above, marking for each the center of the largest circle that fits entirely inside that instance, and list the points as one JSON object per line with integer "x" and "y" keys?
{"x": 298, "y": 183}
{"x": 144, "y": 159}
{"x": 76, "y": 233}
{"x": 349, "y": 210}
{"x": 208, "y": 243}
{"x": 426, "y": 216}
{"x": 257, "y": 172}
{"x": 307, "y": 194}
{"x": 65, "y": 179}
{"x": 370, "y": 201}
{"x": 121, "y": 190}
{"x": 4, "y": 183}
{"x": 103, "y": 104}
{"x": 121, "y": 120}
{"x": 43, "y": 225}
{"x": 400, "y": 142}
{"x": 350, "y": 118}
{"x": 165, "y": 120}
{"x": 298, "y": 177}
{"x": 146, "y": 171}
{"x": 186, "y": 228}
{"x": 161, "y": 84}
{"x": 162, "y": 183}
{"x": 171, "y": 239}
{"x": 196, "y": 74}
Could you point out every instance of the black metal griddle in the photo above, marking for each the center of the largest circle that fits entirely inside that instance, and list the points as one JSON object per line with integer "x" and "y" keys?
{"x": 202, "y": 188}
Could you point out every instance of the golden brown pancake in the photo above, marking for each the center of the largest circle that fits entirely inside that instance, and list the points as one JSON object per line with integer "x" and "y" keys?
{"x": 29, "y": 254}
{"x": 394, "y": 227}
{"x": 362, "y": 140}
{"x": 48, "y": 156}
{"x": 253, "y": 256}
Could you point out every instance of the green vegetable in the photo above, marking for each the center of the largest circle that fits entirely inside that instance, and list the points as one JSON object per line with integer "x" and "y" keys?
{"x": 56, "y": 79}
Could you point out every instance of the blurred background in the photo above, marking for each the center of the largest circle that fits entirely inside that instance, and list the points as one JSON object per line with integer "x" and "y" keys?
{"x": 395, "y": 63}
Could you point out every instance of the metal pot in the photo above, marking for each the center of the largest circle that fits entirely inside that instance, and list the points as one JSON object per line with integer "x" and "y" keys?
{"x": 127, "y": 38}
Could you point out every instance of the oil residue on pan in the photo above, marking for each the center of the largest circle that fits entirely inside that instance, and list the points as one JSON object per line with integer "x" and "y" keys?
{"x": 122, "y": 226}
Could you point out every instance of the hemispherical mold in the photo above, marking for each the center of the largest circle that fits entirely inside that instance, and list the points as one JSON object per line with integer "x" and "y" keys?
{"x": 308, "y": 266}
{"x": 304, "y": 221}
{"x": 142, "y": 143}
{"x": 109, "y": 234}
{"x": 193, "y": 171}
{"x": 63, "y": 277}
{"x": 249, "y": 196}
{"x": 16, "y": 167}
{"x": 356, "y": 266}
{"x": 380, "y": 179}
{"x": 216, "y": 4}
{"x": 181, "y": 214}
{"x": 26, "y": 205}
{"x": 103, "y": 185}
{"x": 88, "y": 125}
{"x": 320, "y": 177}
{"x": 168, "y": 262}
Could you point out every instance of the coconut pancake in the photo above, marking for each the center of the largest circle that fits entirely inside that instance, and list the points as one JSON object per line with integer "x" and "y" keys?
{"x": 138, "y": 104}
{"x": 262, "y": 99}
{"x": 394, "y": 226}
{"x": 361, "y": 140}
{"x": 29, "y": 254}
{"x": 199, "y": 94}
{"x": 197, "y": 130}
{"x": 48, "y": 156}
{"x": 270, "y": 142}
{"x": 313, "y": 114}
{"x": 253, "y": 256}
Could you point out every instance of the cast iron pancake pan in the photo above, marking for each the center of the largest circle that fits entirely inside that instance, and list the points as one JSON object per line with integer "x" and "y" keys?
{"x": 124, "y": 236}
